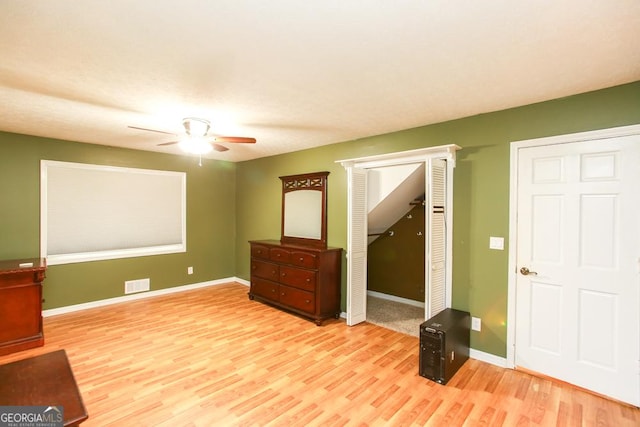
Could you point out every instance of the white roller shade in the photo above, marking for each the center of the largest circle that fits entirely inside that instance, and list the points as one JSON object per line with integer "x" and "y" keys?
{"x": 91, "y": 212}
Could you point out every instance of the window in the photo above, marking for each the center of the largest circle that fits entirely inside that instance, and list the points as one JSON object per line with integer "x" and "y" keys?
{"x": 91, "y": 212}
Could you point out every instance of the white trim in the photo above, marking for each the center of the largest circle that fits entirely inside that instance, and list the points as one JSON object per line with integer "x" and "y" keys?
{"x": 513, "y": 199}
{"x": 488, "y": 358}
{"x": 114, "y": 254}
{"x": 581, "y": 136}
{"x": 138, "y": 296}
{"x": 511, "y": 264}
{"x": 473, "y": 353}
{"x": 241, "y": 281}
{"x": 411, "y": 156}
{"x": 395, "y": 298}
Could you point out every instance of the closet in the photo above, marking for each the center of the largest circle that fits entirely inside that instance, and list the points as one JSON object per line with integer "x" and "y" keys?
{"x": 439, "y": 163}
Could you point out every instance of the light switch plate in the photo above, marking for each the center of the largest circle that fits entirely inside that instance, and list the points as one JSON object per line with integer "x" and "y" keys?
{"x": 496, "y": 243}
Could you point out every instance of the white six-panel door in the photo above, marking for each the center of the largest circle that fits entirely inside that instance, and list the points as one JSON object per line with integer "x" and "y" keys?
{"x": 578, "y": 234}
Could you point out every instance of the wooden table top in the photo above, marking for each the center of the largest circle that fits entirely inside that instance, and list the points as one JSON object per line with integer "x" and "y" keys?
{"x": 45, "y": 380}
{"x": 11, "y": 266}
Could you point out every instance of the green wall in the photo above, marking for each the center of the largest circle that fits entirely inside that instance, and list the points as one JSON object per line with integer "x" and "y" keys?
{"x": 395, "y": 264}
{"x": 210, "y": 219}
{"x": 481, "y": 189}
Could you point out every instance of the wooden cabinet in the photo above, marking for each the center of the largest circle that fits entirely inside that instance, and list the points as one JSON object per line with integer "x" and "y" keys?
{"x": 301, "y": 279}
{"x": 21, "y": 304}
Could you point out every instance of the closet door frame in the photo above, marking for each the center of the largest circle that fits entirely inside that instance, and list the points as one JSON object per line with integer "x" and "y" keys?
{"x": 355, "y": 284}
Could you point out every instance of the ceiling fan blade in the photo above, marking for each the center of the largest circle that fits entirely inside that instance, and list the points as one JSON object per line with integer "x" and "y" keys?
{"x": 235, "y": 139}
{"x": 219, "y": 147}
{"x": 168, "y": 143}
{"x": 150, "y": 130}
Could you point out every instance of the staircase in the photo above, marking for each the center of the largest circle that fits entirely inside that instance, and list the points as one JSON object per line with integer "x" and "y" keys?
{"x": 391, "y": 192}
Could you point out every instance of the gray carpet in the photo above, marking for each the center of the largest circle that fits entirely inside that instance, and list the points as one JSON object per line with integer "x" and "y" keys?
{"x": 394, "y": 315}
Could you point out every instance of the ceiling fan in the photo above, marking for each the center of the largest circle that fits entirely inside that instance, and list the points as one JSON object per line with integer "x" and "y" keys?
{"x": 197, "y": 139}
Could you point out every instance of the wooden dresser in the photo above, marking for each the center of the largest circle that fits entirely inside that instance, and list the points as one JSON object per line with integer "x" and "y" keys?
{"x": 21, "y": 304}
{"x": 301, "y": 279}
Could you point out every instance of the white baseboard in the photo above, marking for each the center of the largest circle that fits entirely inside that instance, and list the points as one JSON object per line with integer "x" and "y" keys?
{"x": 138, "y": 296}
{"x": 474, "y": 354}
{"x": 242, "y": 281}
{"x": 396, "y": 299}
{"x": 488, "y": 358}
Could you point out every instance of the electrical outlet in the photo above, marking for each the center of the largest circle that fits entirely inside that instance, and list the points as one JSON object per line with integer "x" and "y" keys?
{"x": 189, "y": 270}
{"x": 476, "y": 324}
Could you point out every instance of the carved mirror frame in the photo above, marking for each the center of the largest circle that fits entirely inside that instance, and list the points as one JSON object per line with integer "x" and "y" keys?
{"x": 304, "y": 209}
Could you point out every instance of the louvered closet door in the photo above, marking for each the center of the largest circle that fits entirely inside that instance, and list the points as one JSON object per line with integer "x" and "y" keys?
{"x": 435, "y": 263}
{"x": 357, "y": 246}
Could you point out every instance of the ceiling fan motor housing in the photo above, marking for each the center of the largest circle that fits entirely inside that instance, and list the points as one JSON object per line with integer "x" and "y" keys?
{"x": 196, "y": 127}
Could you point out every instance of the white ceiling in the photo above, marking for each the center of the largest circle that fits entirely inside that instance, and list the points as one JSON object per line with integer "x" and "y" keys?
{"x": 297, "y": 74}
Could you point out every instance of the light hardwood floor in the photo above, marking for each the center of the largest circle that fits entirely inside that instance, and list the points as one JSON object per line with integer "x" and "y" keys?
{"x": 212, "y": 357}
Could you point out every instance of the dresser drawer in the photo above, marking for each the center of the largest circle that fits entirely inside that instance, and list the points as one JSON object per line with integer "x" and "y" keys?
{"x": 266, "y": 270}
{"x": 296, "y": 277}
{"x": 296, "y": 298}
{"x": 260, "y": 251}
{"x": 279, "y": 255}
{"x": 299, "y": 278}
{"x": 304, "y": 259}
{"x": 265, "y": 289}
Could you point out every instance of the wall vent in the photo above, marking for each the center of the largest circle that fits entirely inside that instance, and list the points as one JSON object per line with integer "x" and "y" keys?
{"x": 139, "y": 285}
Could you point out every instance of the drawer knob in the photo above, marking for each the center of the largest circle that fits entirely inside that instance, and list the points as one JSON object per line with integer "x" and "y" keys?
{"x": 273, "y": 291}
{"x": 284, "y": 274}
{"x": 307, "y": 301}
{"x": 301, "y": 259}
{"x": 278, "y": 255}
{"x": 308, "y": 280}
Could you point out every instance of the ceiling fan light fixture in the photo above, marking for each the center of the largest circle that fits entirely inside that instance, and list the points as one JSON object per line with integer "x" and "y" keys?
{"x": 195, "y": 145}
{"x": 197, "y": 141}
{"x": 196, "y": 127}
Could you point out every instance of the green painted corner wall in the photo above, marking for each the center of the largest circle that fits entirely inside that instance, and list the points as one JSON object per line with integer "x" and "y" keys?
{"x": 481, "y": 190}
{"x": 210, "y": 220}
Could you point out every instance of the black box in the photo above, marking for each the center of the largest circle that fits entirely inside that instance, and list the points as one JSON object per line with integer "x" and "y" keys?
{"x": 444, "y": 344}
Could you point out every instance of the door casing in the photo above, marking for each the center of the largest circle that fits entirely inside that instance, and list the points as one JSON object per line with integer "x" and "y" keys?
{"x": 513, "y": 199}
{"x": 446, "y": 152}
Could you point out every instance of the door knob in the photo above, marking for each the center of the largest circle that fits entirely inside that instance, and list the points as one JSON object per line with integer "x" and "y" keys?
{"x": 525, "y": 272}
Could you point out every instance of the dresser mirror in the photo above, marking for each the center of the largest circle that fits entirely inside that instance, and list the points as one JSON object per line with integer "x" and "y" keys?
{"x": 304, "y": 209}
